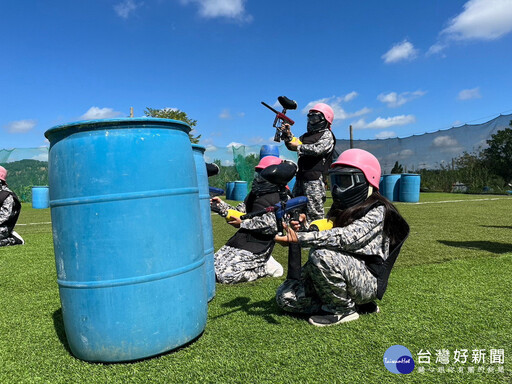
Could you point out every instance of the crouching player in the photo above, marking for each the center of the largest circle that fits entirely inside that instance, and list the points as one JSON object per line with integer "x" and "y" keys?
{"x": 247, "y": 254}
{"x": 10, "y": 208}
{"x": 348, "y": 265}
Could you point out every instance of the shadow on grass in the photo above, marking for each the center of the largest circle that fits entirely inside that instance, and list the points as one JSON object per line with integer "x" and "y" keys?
{"x": 497, "y": 226}
{"x": 58, "y": 324}
{"x": 266, "y": 309}
{"x": 489, "y": 246}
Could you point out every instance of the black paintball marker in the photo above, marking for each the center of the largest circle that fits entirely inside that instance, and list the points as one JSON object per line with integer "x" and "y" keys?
{"x": 281, "y": 174}
{"x": 281, "y": 118}
{"x": 216, "y": 191}
{"x": 292, "y": 205}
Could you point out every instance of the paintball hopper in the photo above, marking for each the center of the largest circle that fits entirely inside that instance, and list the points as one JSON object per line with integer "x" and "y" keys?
{"x": 280, "y": 174}
{"x": 212, "y": 169}
{"x": 287, "y": 103}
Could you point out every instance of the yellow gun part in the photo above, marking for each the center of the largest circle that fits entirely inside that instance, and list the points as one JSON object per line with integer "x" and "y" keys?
{"x": 321, "y": 225}
{"x": 232, "y": 214}
{"x": 295, "y": 140}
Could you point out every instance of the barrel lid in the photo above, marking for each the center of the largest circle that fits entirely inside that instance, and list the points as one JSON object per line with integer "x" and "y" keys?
{"x": 141, "y": 122}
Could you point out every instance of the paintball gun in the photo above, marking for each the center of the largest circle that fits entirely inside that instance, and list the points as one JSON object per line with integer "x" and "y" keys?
{"x": 280, "y": 175}
{"x": 281, "y": 118}
{"x": 291, "y": 206}
{"x": 215, "y": 191}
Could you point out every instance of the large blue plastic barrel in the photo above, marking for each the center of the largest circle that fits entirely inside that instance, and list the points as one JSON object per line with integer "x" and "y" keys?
{"x": 410, "y": 187}
{"x": 229, "y": 190}
{"x": 239, "y": 191}
{"x": 206, "y": 217}
{"x": 269, "y": 150}
{"x": 127, "y": 237}
{"x": 40, "y": 197}
{"x": 390, "y": 187}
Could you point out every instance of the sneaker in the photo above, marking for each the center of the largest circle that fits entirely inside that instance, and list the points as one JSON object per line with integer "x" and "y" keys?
{"x": 327, "y": 320}
{"x": 274, "y": 269}
{"x": 367, "y": 308}
{"x": 19, "y": 239}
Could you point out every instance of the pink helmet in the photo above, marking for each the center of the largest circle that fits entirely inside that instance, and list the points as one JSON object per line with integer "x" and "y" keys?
{"x": 326, "y": 110}
{"x": 3, "y": 173}
{"x": 363, "y": 160}
{"x": 268, "y": 161}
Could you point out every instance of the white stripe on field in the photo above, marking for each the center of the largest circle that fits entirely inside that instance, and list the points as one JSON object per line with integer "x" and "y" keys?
{"x": 47, "y": 222}
{"x": 460, "y": 201}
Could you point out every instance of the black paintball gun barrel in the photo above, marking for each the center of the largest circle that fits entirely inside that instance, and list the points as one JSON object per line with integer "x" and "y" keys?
{"x": 281, "y": 117}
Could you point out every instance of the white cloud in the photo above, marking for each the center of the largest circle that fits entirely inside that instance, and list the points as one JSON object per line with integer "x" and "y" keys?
{"x": 394, "y": 99}
{"x": 231, "y": 9}
{"x": 126, "y": 7}
{"x": 99, "y": 113}
{"x": 234, "y": 144}
{"x": 402, "y": 155}
{"x": 401, "y": 51}
{"x": 385, "y": 135}
{"x": 447, "y": 144}
{"x": 383, "y": 123}
{"x": 350, "y": 96}
{"x": 444, "y": 141}
{"x": 468, "y": 94}
{"x": 20, "y": 126}
{"x": 257, "y": 140}
{"x": 210, "y": 147}
{"x": 481, "y": 20}
{"x": 225, "y": 115}
{"x": 436, "y": 48}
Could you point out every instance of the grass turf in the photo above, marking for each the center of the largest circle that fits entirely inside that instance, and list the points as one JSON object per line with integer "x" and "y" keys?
{"x": 450, "y": 290}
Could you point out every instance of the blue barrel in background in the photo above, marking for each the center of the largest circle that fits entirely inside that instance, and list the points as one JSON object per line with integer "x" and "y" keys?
{"x": 127, "y": 237}
{"x": 389, "y": 187}
{"x": 40, "y": 197}
{"x": 269, "y": 150}
{"x": 229, "y": 190}
{"x": 239, "y": 191}
{"x": 291, "y": 183}
{"x": 206, "y": 217}
{"x": 410, "y": 187}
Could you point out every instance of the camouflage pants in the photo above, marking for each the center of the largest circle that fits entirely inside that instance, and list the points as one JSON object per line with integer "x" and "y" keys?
{"x": 315, "y": 192}
{"x": 6, "y": 238}
{"x": 233, "y": 265}
{"x": 330, "y": 281}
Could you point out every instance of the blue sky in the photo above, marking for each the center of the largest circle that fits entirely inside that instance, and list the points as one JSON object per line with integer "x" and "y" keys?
{"x": 388, "y": 68}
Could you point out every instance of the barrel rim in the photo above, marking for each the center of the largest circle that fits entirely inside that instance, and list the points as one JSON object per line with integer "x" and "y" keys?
{"x": 199, "y": 147}
{"x": 87, "y": 125}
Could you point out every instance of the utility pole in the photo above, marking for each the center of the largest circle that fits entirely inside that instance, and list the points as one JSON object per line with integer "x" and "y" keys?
{"x": 131, "y": 111}
{"x": 351, "y": 138}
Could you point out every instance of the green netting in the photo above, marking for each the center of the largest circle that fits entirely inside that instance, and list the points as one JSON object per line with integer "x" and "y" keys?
{"x": 247, "y": 157}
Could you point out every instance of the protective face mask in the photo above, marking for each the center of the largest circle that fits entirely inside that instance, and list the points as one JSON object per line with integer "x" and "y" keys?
{"x": 349, "y": 187}
{"x": 316, "y": 121}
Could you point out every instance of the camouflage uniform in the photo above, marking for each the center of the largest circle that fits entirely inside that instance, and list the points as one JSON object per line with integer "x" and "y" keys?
{"x": 335, "y": 277}
{"x": 234, "y": 265}
{"x": 7, "y": 211}
{"x": 314, "y": 190}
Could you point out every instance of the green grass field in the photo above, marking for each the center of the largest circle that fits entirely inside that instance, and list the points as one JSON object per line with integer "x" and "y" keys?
{"x": 450, "y": 290}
